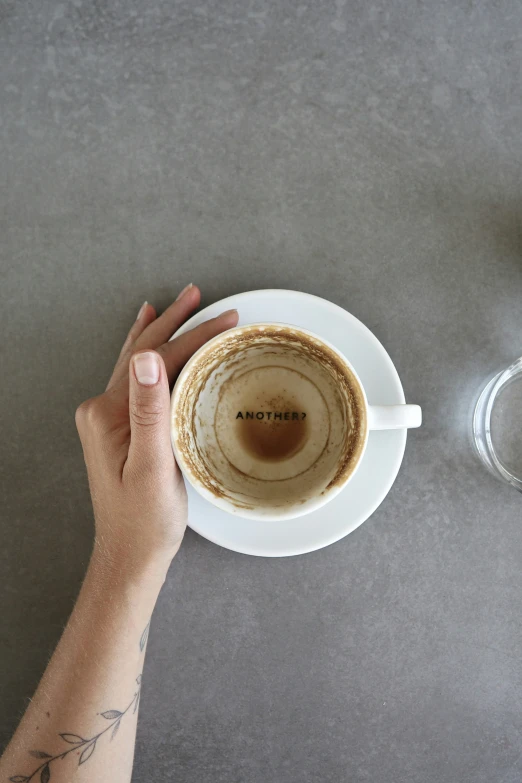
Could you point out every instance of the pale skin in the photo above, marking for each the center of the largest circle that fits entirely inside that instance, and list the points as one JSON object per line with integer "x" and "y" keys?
{"x": 81, "y": 722}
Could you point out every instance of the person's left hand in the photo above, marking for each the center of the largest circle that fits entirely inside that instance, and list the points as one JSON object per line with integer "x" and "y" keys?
{"x": 138, "y": 494}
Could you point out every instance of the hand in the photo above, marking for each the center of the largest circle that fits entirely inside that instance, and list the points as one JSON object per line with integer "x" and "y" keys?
{"x": 138, "y": 494}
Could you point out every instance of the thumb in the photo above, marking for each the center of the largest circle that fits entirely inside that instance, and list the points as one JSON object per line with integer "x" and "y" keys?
{"x": 149, "y": 412}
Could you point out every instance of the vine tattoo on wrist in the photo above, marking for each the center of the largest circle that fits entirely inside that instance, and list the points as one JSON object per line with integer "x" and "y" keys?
{"x": 114, "y": 717}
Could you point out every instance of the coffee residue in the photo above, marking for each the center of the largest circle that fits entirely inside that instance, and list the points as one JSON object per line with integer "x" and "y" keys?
{"x": 274, "y": 439}
{"x": 186, "y": 404}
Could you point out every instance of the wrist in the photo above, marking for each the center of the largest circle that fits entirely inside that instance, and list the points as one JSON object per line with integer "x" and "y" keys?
{"x": 126, "y": 571}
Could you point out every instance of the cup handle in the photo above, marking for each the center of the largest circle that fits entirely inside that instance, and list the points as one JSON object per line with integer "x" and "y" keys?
{"x": 394, "y": 417}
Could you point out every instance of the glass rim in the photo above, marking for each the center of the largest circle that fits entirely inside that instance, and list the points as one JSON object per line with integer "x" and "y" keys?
{"x": 481, "y": 424}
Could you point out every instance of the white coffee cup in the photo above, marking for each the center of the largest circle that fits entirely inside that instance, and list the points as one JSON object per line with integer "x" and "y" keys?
{"x": 270, "y": 421}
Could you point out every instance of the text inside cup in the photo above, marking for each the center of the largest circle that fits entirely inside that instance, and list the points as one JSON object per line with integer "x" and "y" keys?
{"x": 275, "y": 415}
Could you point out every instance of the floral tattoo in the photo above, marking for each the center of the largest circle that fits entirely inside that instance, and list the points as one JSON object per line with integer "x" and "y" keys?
{"x": 114, "y": 718}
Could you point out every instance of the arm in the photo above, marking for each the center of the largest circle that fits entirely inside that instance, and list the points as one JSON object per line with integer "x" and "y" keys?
{"x": 91, "y": 689}
{"x": 81, "y": 722}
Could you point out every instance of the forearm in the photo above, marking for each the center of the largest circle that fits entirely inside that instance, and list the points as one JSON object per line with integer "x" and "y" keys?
{"x": 84, "y": 712}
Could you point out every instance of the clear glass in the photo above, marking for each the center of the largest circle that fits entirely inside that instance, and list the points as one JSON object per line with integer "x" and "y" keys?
{"x": 497, "y": 425}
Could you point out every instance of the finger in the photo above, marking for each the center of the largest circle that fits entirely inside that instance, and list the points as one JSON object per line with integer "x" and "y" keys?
{"x": 146, "y": 315}
{"x": 149, "y": 407}
{"x": 168, "y": 322}
{"x": 176, "y": 353}
{"x": 159, "y": 330}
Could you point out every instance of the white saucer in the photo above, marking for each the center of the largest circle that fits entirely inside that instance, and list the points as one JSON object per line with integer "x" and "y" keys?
{"x": 380, "y": 464}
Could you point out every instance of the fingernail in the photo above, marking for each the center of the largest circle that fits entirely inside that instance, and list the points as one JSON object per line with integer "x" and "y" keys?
{"x": 228, "y": 312}
{"x": 146, "y": 368}
{"x": 182, "y": 293}
{"x": 141, "y": 310}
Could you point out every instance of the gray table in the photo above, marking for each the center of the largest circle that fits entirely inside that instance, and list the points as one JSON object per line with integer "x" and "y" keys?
{"x": 367, "y": 153}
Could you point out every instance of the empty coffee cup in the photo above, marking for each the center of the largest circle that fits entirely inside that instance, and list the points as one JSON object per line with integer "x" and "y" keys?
{"x": 269, "y": 421}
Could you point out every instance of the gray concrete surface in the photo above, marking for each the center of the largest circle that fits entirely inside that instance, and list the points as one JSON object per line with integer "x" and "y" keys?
{"x": 366, "y": 152}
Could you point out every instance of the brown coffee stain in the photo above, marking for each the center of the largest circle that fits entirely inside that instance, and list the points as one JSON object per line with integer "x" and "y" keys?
{"x": 274, "y": 439}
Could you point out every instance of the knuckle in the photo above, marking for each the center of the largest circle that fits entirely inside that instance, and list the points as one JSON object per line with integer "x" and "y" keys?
{"x": 85, "y": 412}
{"x": 89, "y": 414}
{"x": 146, "y": 414}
